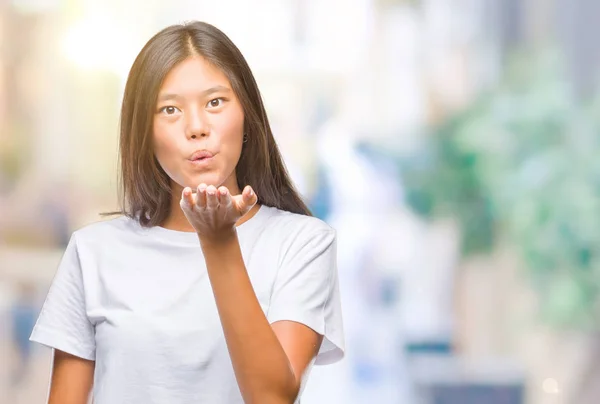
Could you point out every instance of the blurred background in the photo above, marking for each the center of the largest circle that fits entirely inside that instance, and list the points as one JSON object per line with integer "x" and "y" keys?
{"x": 452, "y": 143}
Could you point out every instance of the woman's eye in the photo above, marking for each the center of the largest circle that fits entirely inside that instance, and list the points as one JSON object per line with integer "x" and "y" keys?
{"x": 170, "y": 110}
{"x": 215, "y": 103}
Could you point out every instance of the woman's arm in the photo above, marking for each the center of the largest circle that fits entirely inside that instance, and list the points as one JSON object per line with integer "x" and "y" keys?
{"x": 268, "y": 361}
{"x": 268, "y": 364}
{"x": 72, "y": 379}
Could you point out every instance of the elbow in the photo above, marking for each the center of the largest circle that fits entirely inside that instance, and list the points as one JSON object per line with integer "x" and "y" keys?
{"x": 289, "y": 397}
{"x": 274, "y": 399}
{"x": 290, "y": 394}
{"x": 278, "y": 396}
{"x": 277, "y": 389}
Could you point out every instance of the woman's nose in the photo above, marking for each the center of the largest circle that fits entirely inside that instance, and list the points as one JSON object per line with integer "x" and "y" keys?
{"x": 196, "y": 125}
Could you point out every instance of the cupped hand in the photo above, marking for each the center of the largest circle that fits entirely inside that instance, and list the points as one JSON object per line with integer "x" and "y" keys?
{"x": 214, "y": 212}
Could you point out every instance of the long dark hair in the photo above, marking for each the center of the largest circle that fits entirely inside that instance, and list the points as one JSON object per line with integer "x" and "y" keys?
{"x": 145, "y": 190}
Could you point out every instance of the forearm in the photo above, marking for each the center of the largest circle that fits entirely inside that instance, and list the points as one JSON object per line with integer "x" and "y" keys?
{"x": 262, "y": 369}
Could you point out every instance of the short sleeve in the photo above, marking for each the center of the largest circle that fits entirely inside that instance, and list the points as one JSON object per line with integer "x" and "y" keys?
{"x": 63, "y": 323}
{"x": 306, "y": 291}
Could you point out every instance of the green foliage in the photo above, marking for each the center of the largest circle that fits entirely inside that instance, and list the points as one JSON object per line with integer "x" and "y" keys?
{"x": 523, "y": 163}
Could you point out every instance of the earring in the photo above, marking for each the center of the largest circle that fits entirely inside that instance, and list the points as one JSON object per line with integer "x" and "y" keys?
{"x": 245, "y": 139}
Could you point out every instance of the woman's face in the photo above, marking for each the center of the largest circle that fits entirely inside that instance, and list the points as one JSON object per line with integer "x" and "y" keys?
{"x": 198, "y": 126}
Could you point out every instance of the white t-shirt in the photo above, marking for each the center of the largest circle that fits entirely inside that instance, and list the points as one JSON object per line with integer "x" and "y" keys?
{"x": 138, "y": 301}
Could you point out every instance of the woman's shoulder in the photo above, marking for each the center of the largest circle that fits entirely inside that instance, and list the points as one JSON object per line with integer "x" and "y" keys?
{"x": 296, "y": 224}
{"x": 104, "y": 229}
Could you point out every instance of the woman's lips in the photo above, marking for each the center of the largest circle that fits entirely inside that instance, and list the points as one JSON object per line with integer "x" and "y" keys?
{"x": 201, "y": 158}
{"x": 201, "y": 154}
{"x": 202, "y": 161}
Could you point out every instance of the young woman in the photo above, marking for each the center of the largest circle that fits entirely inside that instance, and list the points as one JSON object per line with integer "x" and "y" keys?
{"x": 216, "y": 285}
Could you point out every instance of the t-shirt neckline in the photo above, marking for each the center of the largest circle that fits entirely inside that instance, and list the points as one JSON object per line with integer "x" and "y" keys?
{"x": 192, "y": 238}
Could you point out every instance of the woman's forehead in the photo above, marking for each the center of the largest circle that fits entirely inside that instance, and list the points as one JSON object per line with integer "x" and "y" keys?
{"x": 195, "y": 75}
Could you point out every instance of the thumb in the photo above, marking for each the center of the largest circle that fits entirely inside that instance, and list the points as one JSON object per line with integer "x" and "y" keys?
{"x": 249, "y": 199}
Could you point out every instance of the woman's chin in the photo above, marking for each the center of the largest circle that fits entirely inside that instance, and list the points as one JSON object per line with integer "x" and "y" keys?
{"x": 203, "y": 179}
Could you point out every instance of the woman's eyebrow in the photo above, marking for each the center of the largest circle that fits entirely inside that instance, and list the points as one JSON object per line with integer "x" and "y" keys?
{"x": 215, "y": 89}
{"x": 177, "y": 97}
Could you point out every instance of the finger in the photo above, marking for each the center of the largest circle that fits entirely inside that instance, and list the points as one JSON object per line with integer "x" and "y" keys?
{"x": 224, "y": 197}
{"x": 249, "y": 196}
{"x": 248, "y": 199}
{"x": 187, "y": 198}
{"x": 201, "y": 196}
{"x": 212, "y": 200}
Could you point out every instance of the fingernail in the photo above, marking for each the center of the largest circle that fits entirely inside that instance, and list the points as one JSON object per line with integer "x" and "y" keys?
{"x": 223, "y": 192}
{"x": 251, "y": 192}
